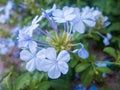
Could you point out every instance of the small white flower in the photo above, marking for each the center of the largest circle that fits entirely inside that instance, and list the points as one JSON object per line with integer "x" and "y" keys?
{"x": 109, "y": 36}
{"x": 6, "y": 9}
{"x": 64, "y": 15}
{"x": 25, "y": 41}
{"x": 101, "y": 64}
{"x": 98, "y": 15}
{"x": 49, "y": 11}
{"x": 32, "y": 58}
{"x": 83, "y": 18}
{"x": 55, "y": 65}
{"x": 106, "y": 41}
{"x": 33, "y": 26}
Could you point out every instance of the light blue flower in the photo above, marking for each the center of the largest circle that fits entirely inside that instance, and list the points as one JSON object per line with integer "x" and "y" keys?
{"x": 106, "y": 41}
{"x": 33, "y": 58}
{"x": 98, "y": 15}
{"x": 93, "y": 87}
{"x": 5, "y": 45}
{"x": 55, "y": 65}
{"x": 29, "y": 29}
{"x": 82, "y": 53}
{"x": 83, "y": 18}
{"x": 101, "y": 64}
{"x": 79, "y": 87}
{"x": 25, "y": 41}
{"x": 6, "y": 9}
{"x": 64, "y": 15}
{"x": 109, "y": 36}
{"x": 106, "y": 38}
{"x": 48, "y": 11}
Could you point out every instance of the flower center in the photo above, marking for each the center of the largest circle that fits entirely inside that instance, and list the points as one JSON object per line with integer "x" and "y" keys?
{"x": 60, "y": 42}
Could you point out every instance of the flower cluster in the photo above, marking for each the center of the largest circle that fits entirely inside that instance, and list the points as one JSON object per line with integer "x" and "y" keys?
{"x": 5, "y": 45}
{"x": 50, "y": 51}
{"x": 5, "y": 12}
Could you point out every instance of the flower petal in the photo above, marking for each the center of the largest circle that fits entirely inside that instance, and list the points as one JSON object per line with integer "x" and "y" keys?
{"x": 41, "y": 54}
{"x": 80, "y": 27}
{"x": 54, "y": 72}
{"x": 22, "y": 44}
{"x": 25, "y": 55}
{"x": 43, "y": 65}
{"x": 83, "y": 53}
{"x": 63, "y": 56}
{"x": 106, "y": 41}
{"x": 109, "y": 36}
{"x": 101, "y": 64}
{"x": 51, "y": 53}
{"x": 67, "y": 10}
{"x": 30, "y": 66}
{"x": 63, "y": 67}
{"x": 57, "y": 13}
{"x": 70, "y": 17}
{"x": 32, "y": 46}
{"x": 90, "y": 23}
{"x": 39, "y": 65}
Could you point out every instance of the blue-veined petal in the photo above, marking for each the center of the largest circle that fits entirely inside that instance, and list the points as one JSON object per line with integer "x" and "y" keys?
{"x": 30, "y": 66}
{"x": 63, "y": 56}
{"x": 63, "y": 67}
{"x": 25, "y": 55}
{"x": 54, "y": 72}
{"x": 83, "y": 53}
{"x": 51, "y": 53}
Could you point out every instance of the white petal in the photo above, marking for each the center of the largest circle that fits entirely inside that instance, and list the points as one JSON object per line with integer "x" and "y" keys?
{"x": 109, "y": 36}
{"x": 106, "y": 41}
{"x": 70, "y": 17}
{"x": 25, "y": 55}
{"x": 90, "y": 23}
{"x": 68, "y": 11}
{"x": 54, "y": 72}
{"x": 30, "y": 66}
{"x": 83, "y": 53}
{"x": 63, "y": 56}
{"x": 59, "y": 20}
{"x": 44, "y": 65}
{"x": 51, "y": 53}
{"x": 63, "y": 67}
{"x": 57, "y": 13}
{"x": 41, "y": 54}
{"x": 80, "y": 27}
{"x": 39, "y": 64}
{"x": 32, "y": 46}
{"x": 34, "y": 20}
{"x": 22, "y": 44}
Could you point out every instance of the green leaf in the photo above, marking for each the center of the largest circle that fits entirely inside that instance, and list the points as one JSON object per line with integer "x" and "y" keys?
{"x": 82, "y": 66}
{"x": 110, "y": 51}
{"x": 73, "y": 62}
{"x": 103, "y": 69}
{"x": 60, "y": 84}
{"x": 106, "y": 88}
{"x": 44, "y": 85}
{"x": 22, "y": 81}
{"x": 6, "y": 83}
{"x": 36, "y": 79}
{"x": 87, "y": 77}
